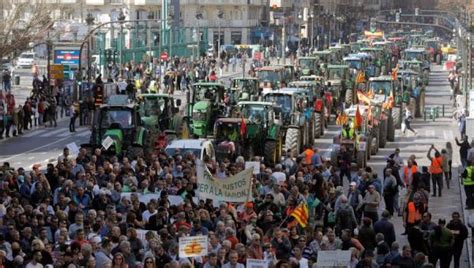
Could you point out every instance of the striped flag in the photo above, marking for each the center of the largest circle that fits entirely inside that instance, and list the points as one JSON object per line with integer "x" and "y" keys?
{"x": 301, "y": 214}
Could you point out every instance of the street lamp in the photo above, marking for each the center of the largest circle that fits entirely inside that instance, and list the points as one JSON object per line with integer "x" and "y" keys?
{"x": 170, "y": 26}
{"x": 89, "y": 22}
{"x": 149, "y": 39}
{"x": 298, "y": 32}
{"x": 220, "y": 15}
{"x": 311, "y": 15}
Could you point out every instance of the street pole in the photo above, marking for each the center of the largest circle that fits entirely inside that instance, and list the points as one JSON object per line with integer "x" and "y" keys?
{"x": 219, "y": 41}
{"x": 283, "y": 43}
{"x": 312, "y": 31}
{"x": 171, "y": 40}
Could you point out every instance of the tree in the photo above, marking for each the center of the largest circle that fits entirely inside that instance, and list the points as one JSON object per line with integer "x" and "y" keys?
{"x": 23, "y": 23}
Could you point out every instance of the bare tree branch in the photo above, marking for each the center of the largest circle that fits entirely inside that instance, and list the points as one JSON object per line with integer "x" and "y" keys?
{"x": 25, "y": 22}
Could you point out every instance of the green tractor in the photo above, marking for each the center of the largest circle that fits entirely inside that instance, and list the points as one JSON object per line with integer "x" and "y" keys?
{"x": 413, "y": 91}
{"x": 384, "y": 87}
{"x": 244, "y": 89}
{"x": 361, "y": 145}
{"x": 319, "y": 103}
{"x": 418, "y": 60}
{"x": 338, "y": 79}
{"x": 381, "y": 59}
{"x": 299, "y": 120}
{"x": 270, "y": 77}
{"x": 263, "y": 127}
{"x": 205, "y": 106}
{"x": 419, "y": 67}
{"x": 118, "y": 128}
{"x": 161, "y": 117}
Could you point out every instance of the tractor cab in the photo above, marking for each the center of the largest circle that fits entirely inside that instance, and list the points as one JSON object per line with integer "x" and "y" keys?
{"x": 157, "y": 110}
{"x": 290, "y": 72}
{"x": 244, "y": 89}
{"x": 307, "y": 65}
{"x": 206, "y": 107}
{"x": 119, "y": 121}
{"x": 270, "y": 77}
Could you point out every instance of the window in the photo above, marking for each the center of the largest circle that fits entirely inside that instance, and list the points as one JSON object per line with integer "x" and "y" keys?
{"x": 236, "y": 38}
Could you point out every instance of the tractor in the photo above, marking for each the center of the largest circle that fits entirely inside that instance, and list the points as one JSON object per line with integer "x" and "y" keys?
{"x": 299, "y": 122}
{"x": 307, "y": 66}
{"x": 319, "y": 103}
{"x": 290, "y": 72}
{"x": 119, "y": 121}
{"x": 160, "y": 115}
{"x": 338, "y": 79}
{"x": 384, "y": 88}
{"x": 262, "y": 134}
{"x": 418, "y": 67}
{"x": 360, "y": 146}
{"x": 207, "y": 104}
{"x": 270, "y": 77}
{"x": 244, "y": 89}
{"x": 420, "y": 57}
{"x": 413, "y": 91}
{"x": 380, "y": 59}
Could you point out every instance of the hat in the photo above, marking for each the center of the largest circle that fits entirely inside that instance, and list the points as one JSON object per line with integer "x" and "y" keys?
{"x": 385, "y": 214}
{"x": 353, "y": 183}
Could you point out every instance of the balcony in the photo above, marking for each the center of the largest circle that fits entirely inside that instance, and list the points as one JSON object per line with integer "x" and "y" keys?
{"x": 147, "y": 2}
{"x": 223, "y": 2}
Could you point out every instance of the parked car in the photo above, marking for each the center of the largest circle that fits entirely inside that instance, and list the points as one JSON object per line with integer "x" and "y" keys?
{"x": 26, "y": 60}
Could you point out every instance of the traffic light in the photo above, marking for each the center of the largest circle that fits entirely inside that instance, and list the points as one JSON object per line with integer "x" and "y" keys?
{"x": 397, "y": 17}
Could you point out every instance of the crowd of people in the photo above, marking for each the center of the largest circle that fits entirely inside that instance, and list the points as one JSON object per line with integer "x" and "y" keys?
{"x": 85, "y": 211}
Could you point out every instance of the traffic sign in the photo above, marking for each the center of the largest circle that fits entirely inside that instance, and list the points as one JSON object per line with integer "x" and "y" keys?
{"x": 164, "y": 56}
{"x": 56, "y": 71}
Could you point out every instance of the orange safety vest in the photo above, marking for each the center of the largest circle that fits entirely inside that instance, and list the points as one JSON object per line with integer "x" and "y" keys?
{"x": 413, "y": 213}
{"x": 436, "y": 165}
{"x": 308, "y": 156}
{"x": 405, "y": 173}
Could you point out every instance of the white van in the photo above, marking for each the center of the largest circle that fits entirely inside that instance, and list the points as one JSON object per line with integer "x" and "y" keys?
{"x": 26, "y": 60}
{"x": 198, "y": 147}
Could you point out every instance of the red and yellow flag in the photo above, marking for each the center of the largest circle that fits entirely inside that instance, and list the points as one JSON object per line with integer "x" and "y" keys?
{"x": 341, "y": 119}
{"x": 395, "y": 73}
{"x": 360, "y": 79}
{"x": 358, "y": 119}
{"x": 362, "y": 97}
{"x": 301, "y": 214}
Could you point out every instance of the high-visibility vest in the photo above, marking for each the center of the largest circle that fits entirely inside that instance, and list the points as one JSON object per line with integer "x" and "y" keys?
{"x": 413, "y": 213}
{"x": 348, "y": 134}
{"x": 436, "y": 165}
{"x": 468, "y": 180}
{"x": 406, "y": 170}
{"x": 308, "y": 156}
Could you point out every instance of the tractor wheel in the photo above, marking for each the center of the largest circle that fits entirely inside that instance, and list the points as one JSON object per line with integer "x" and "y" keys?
{"x": 382, "y": 133}
{"x": 426, "y": 74}
{"x": 311, "y": 131}
{"x": 270, "y": 153}
{"x": 349, "y": 98}
{"x": 318, "y": 126}
{"x": 390, "y": 128}
{"x": 420, "y": 105}
{"x": 397, "y": 117}
{"x": 361, "y": 159}
{"x": 333, "y": 158}
{"x": 293, "y": 141}
{"x": 375, "y": 140}
{"x": 133, "y": 152}
{"x": 438, "y": 59}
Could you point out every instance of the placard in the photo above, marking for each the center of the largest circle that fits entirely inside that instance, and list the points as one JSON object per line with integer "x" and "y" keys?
{"x": 193, "y": 246}
{"x": 255, "y": 263}
{"x": 107, "y": 142}
{"x": 73, "y": 149}
{"x": 362, "y": 146}
{"x": 255, "y": 165}
{"x": 333, "y": 258}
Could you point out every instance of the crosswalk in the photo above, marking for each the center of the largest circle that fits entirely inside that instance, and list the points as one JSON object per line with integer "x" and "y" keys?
{"x": 57, "y": 133}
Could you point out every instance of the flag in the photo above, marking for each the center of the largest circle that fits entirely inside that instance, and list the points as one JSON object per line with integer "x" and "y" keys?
{"x": 243, "y": 127}
{"x": 301, "y": 214}
{"x": 395, "y": 73}
{"x": 342, "y": 119}
{"x": 357, "y": 119}
{"x": 369, "y": 113}
{"x": 363, "y": 97}
{"x": 360, "y": 78}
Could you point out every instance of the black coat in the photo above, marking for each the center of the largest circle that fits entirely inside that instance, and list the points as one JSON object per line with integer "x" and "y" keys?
{"x": 386, "y": 228}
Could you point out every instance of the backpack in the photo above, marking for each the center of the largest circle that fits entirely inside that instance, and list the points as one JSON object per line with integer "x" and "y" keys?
{"x": 344, "y": 219}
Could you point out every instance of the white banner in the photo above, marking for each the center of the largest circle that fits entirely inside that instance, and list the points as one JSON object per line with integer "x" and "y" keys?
{"x": 193, "y": 246}
{"x": 255, "y": 263}
{"x": 334, "y": 258}
{"x": 232, "y": 189}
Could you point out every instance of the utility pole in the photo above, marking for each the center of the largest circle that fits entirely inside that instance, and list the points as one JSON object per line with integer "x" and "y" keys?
{"x": 283, "y": 42}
